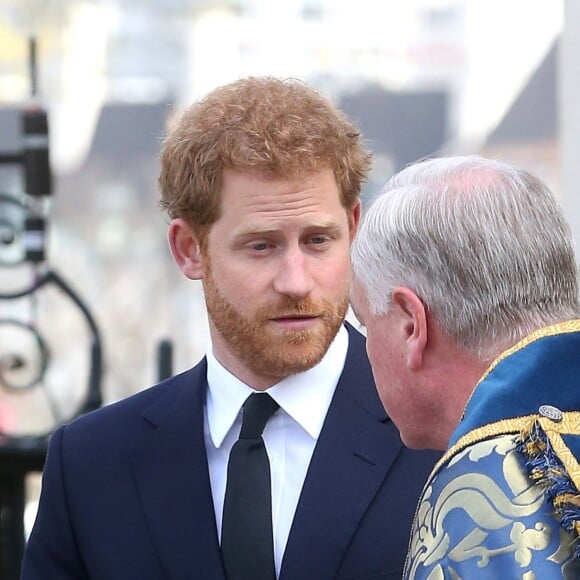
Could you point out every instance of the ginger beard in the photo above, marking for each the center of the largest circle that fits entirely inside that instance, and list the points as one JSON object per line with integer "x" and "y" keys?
{"x": 278, "y": 354}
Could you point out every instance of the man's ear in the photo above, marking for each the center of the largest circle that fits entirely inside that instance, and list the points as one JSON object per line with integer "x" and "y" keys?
{"x": 185, "y": 249}
{"x": 412, "y": 316}
{"x": 354, "y": 219}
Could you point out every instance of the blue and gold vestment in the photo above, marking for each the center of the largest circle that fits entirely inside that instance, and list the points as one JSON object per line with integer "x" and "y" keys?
{"x": 504, "y": 503}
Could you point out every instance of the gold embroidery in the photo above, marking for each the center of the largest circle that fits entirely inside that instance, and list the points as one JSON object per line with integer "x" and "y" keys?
{"x": 523, "y": 542}
{"x": 436, "y": 574}
{"x": 489, "y": 508}
{"x": 503, "y": 427}
{"x": 570, "y": 424}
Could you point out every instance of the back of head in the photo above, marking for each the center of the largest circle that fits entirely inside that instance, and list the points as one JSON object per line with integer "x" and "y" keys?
{"x": 278, "y": 128}
{"x": 484, "y": 245}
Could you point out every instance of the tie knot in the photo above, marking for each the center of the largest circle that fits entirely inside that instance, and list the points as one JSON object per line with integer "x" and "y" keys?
{"x": 257, "y": 409}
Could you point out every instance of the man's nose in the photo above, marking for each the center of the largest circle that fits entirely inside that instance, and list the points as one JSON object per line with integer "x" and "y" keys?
{"x": 293, "y": 278}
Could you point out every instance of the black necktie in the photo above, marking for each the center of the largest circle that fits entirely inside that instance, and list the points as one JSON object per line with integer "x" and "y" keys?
{"x": 247, "y": 542}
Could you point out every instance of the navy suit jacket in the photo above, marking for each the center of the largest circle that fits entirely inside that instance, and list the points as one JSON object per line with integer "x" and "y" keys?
{"x": 126, "y": 491}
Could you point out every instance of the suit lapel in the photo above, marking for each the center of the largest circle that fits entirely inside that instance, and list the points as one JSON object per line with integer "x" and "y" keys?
{"x": 352, "y": 457}
{"x": 171, "y": 473}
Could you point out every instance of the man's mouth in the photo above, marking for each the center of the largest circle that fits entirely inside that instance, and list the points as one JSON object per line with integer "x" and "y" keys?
{"x": 295, "y": 321}
{"x": 294, "y": 316}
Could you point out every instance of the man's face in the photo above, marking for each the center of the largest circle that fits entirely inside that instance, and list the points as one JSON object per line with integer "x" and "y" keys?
{"x": 276, "y": 273}
{"x": 402, "y": 395}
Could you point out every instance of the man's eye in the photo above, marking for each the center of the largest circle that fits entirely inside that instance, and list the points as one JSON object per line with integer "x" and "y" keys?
{"x": 260, "y": 246}
{"x": 318, "y": 240}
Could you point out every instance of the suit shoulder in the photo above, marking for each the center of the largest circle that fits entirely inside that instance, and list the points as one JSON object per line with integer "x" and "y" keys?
{"x": 119, "y": 418}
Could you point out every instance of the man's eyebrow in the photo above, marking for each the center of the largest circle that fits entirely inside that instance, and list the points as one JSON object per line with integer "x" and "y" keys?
{"x": 252, "y": 230}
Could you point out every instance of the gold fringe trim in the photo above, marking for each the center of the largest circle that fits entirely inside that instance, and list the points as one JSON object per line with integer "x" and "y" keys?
{"x": 569, "y": 425}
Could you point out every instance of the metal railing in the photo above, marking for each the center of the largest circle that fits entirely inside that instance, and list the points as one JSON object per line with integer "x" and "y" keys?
{"x": 24, "y": 221}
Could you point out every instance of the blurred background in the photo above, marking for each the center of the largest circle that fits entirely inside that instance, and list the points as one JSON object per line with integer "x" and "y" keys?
{"x": 419, "y": 77}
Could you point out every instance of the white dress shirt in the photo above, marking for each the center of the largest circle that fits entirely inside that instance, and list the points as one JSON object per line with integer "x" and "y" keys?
{"x": 290, "y": 435}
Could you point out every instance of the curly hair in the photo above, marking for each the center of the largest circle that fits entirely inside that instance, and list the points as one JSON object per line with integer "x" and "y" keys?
{"x": 281, "y": 128}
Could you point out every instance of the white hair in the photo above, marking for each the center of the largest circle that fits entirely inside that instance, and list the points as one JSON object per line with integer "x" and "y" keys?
{"x": 485, "y": 246}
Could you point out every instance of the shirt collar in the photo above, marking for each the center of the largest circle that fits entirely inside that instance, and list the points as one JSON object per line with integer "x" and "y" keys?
{"x": 304, "y": 396}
